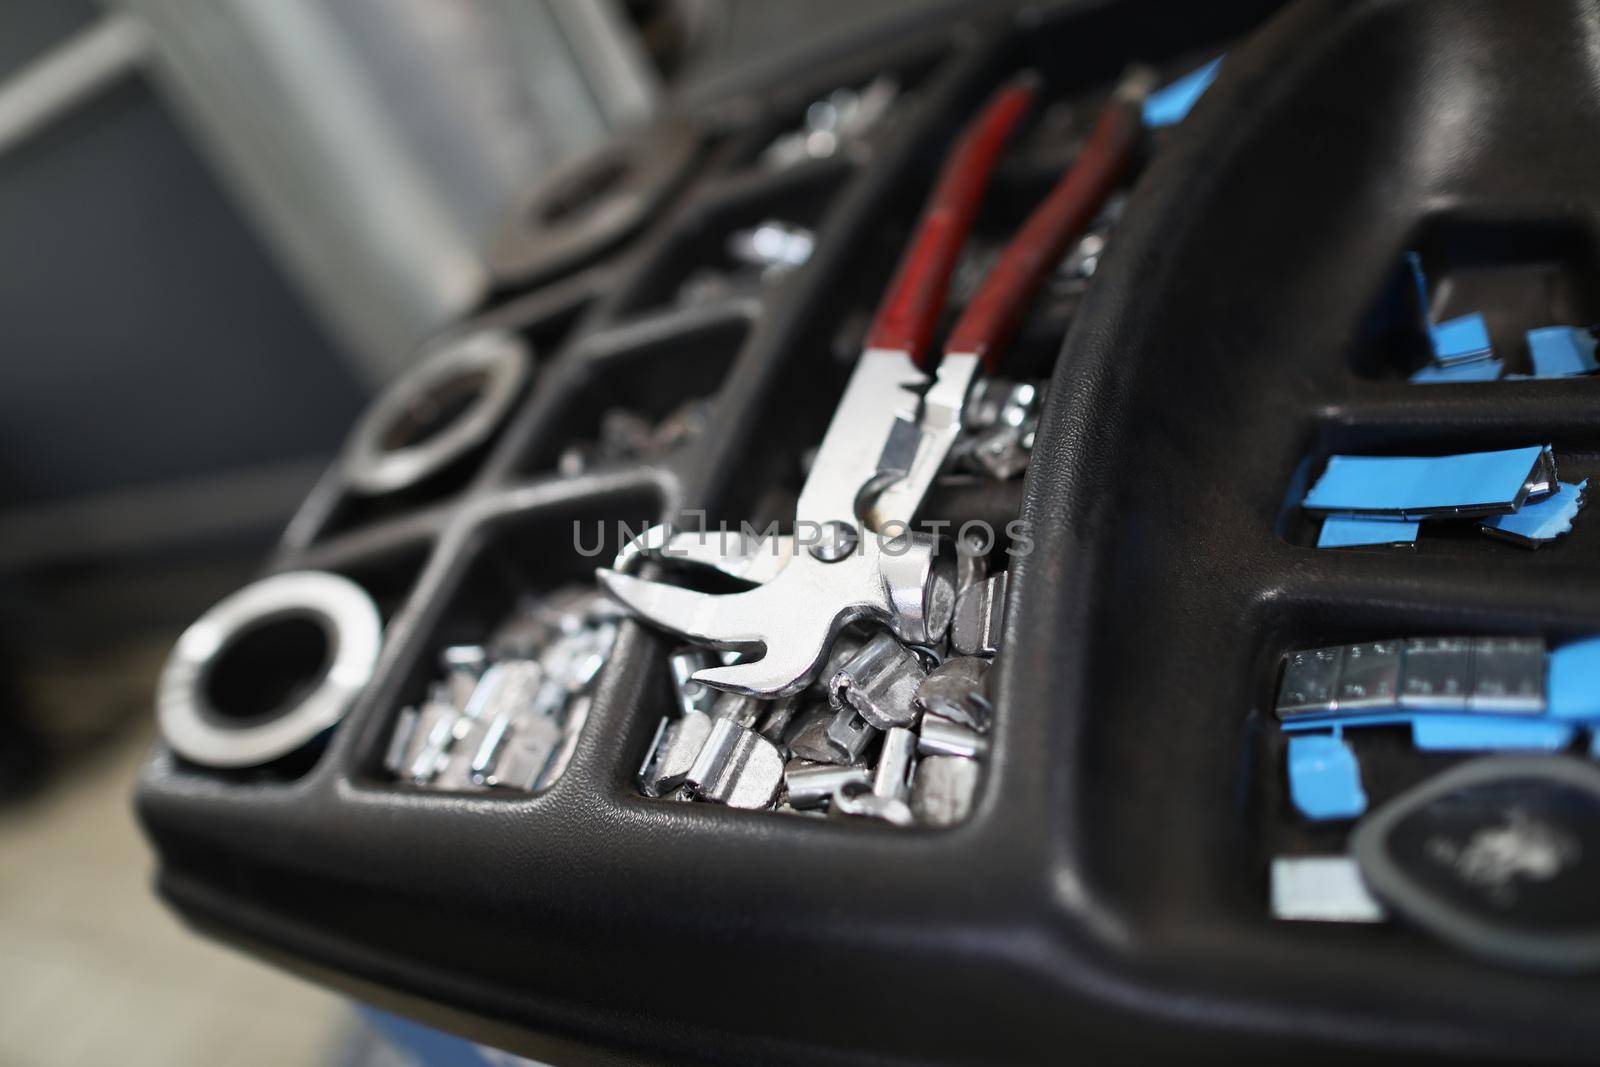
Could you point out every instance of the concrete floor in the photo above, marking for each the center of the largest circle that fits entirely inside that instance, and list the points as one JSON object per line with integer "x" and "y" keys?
{"x": 94, "y": 970}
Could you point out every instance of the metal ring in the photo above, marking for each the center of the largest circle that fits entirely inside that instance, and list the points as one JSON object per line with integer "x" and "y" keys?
{"x": 208, "y": 735}
{"x": 374, "y": 463}
{"x": 582, "y": 206}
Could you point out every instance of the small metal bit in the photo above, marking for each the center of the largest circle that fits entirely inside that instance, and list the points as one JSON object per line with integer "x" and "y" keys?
{"x": 891, "y": 779}
{"x": 941, "y": 737}
{"x": 463, "y": 666}
{"x": 879, "y": 683}
{"x": 434, "y": 735}
{"x": 942, "y": 789}
{"x": 525, "y": 753}
{"x": 810, "y": 741}
{"x": 673, "y": 753}
{"x": 455, "y": 766}
{"x": 405, "y": 727}
{"x": 744, "y": 710}
{"x": 859, "y": 800}
{"x": 812, "y": 785}
{"x": 980, "y": 617}
{"x": 507, "y": 688}
{"x": 779, "y": 713}
{"x": 972, "y": 563}
{"x": 848, "y": 736}
{"x": 571, "y": 733}
{"x": 489, "y": 749}
{"x": 737, "y": 767}
{"x": 955, "y": 691}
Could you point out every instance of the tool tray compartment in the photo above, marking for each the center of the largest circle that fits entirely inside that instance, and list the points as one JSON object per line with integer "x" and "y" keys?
{"x": 1108, "y": 892}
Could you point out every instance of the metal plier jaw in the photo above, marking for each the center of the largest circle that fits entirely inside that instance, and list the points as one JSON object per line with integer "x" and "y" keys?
{"x": 902, "y": 582}
{"x": 853, "y": 556}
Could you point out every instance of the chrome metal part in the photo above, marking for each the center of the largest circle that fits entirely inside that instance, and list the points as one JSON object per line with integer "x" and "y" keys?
{"x": 941, "y": 737}
{"x": 848, "y": 736}
{"x": 672, "y": 755}
{"x": 879, "y": 683}
{"x": 891, "y": 778}
{"x": 980, "y": 618}
{"x": 860, "y": 801}
{"x": 737, "y": 767}
{"x": 1322, "y": 889}
{"x": 350, "y": 629}
{"x": 942, "y": 789}
{"x": 813, "y": 785}
{"x": 955, "y": 691}
{"x": 441, "y": 409}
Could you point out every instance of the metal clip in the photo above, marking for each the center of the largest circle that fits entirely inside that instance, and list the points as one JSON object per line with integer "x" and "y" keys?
{"x": 879, "y": 683}
{"x": 673, "y": 753}
{"x": 941, "y": 737}
{"x": 942, "y": 790}
{"x": 812, "y": 785}
{"x": 955, "y": 691}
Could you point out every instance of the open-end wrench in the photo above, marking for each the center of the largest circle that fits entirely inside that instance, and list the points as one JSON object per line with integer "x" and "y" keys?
{"x": 847, "y": 571}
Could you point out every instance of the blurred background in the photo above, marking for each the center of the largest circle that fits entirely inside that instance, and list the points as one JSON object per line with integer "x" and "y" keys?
{"x": 224, "y": 226}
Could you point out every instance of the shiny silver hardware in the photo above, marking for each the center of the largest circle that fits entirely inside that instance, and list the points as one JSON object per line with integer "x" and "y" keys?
{"x": 955, "y": 691}
{"x": 737, "y": 767}
{"x": 942, "y": 789}
{"x": 980, "y": 618}
{"x": 879, "y": 683}
{"x": 812, "y": 785}
{"x": 672, "y": 754}
{"x": 941, "y": 737}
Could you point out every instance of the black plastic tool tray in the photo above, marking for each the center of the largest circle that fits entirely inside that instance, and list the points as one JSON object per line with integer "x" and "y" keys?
{"x": 1109, "y": 891}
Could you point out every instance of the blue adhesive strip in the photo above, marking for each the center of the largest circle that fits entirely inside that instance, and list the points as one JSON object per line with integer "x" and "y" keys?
{"x": 1350, "y": 531}
{"x": 1461, "y": 339}
{"x": 1561, "y": 352}
{"x": 1170, "y": 104}
{"x": 1324, "y": 778}
{"x": 1489, "y": 733}
{"x": 1572, "y": 681}
{"x": 1411, "y": 485}
{"x": 1479, "y": 370}
{"x": 1594, "y": 744}
{"x": 1544, "y": 519}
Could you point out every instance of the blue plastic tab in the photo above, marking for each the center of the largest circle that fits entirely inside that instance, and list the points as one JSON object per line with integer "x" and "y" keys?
{"x": 1478, "y": 370}
{"x": 1544, "y": 519}
{"x": 1572, "y": 681}
{"x": 1345, "y": 720}
{"x": 1170, "y": 104}
{"x": 1489, "y": 733}
{"x": 1415, "y": 485}
{"x": 1349, "y": 531}
{"x": 1562, "y": 352}
{"x": 1324, "y": 778}
{"x": 1461, "y": 339}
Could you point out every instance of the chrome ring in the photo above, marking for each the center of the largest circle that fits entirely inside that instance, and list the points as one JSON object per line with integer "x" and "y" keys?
{"x": 372, "y": 465}
{"x": 200, "y": 732}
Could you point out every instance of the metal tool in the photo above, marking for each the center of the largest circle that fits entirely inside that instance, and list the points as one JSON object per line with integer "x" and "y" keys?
{"x": 846, "y": 565}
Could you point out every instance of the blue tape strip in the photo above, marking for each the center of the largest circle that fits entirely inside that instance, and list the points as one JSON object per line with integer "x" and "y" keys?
{"x": 1478, "y": 370}
{"x": 1594, "y": 744}
{"x": 1544, "y": 519}
{"x": 1412, "y": 484}
{"x": 1349, "y": 531}
{"x": 1561, "y": 352}
{"x": 1486, "y": 733}
{"x": 1572, "y": 681}
{"x": 1324, "y": 778}
{"x": 1170, "y": 104}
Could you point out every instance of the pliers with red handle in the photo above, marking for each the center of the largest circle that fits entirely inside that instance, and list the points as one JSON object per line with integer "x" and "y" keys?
{"x": 852, "y": 556}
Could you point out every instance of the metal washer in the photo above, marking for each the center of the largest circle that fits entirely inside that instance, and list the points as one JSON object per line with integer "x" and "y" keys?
{"x": 503, "y": 359}
{"x": 354, "y": 631}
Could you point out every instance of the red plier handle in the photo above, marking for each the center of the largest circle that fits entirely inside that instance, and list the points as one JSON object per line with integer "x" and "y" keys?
{"x": 990, "y": 318}
{"x": 910, "y": 310}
